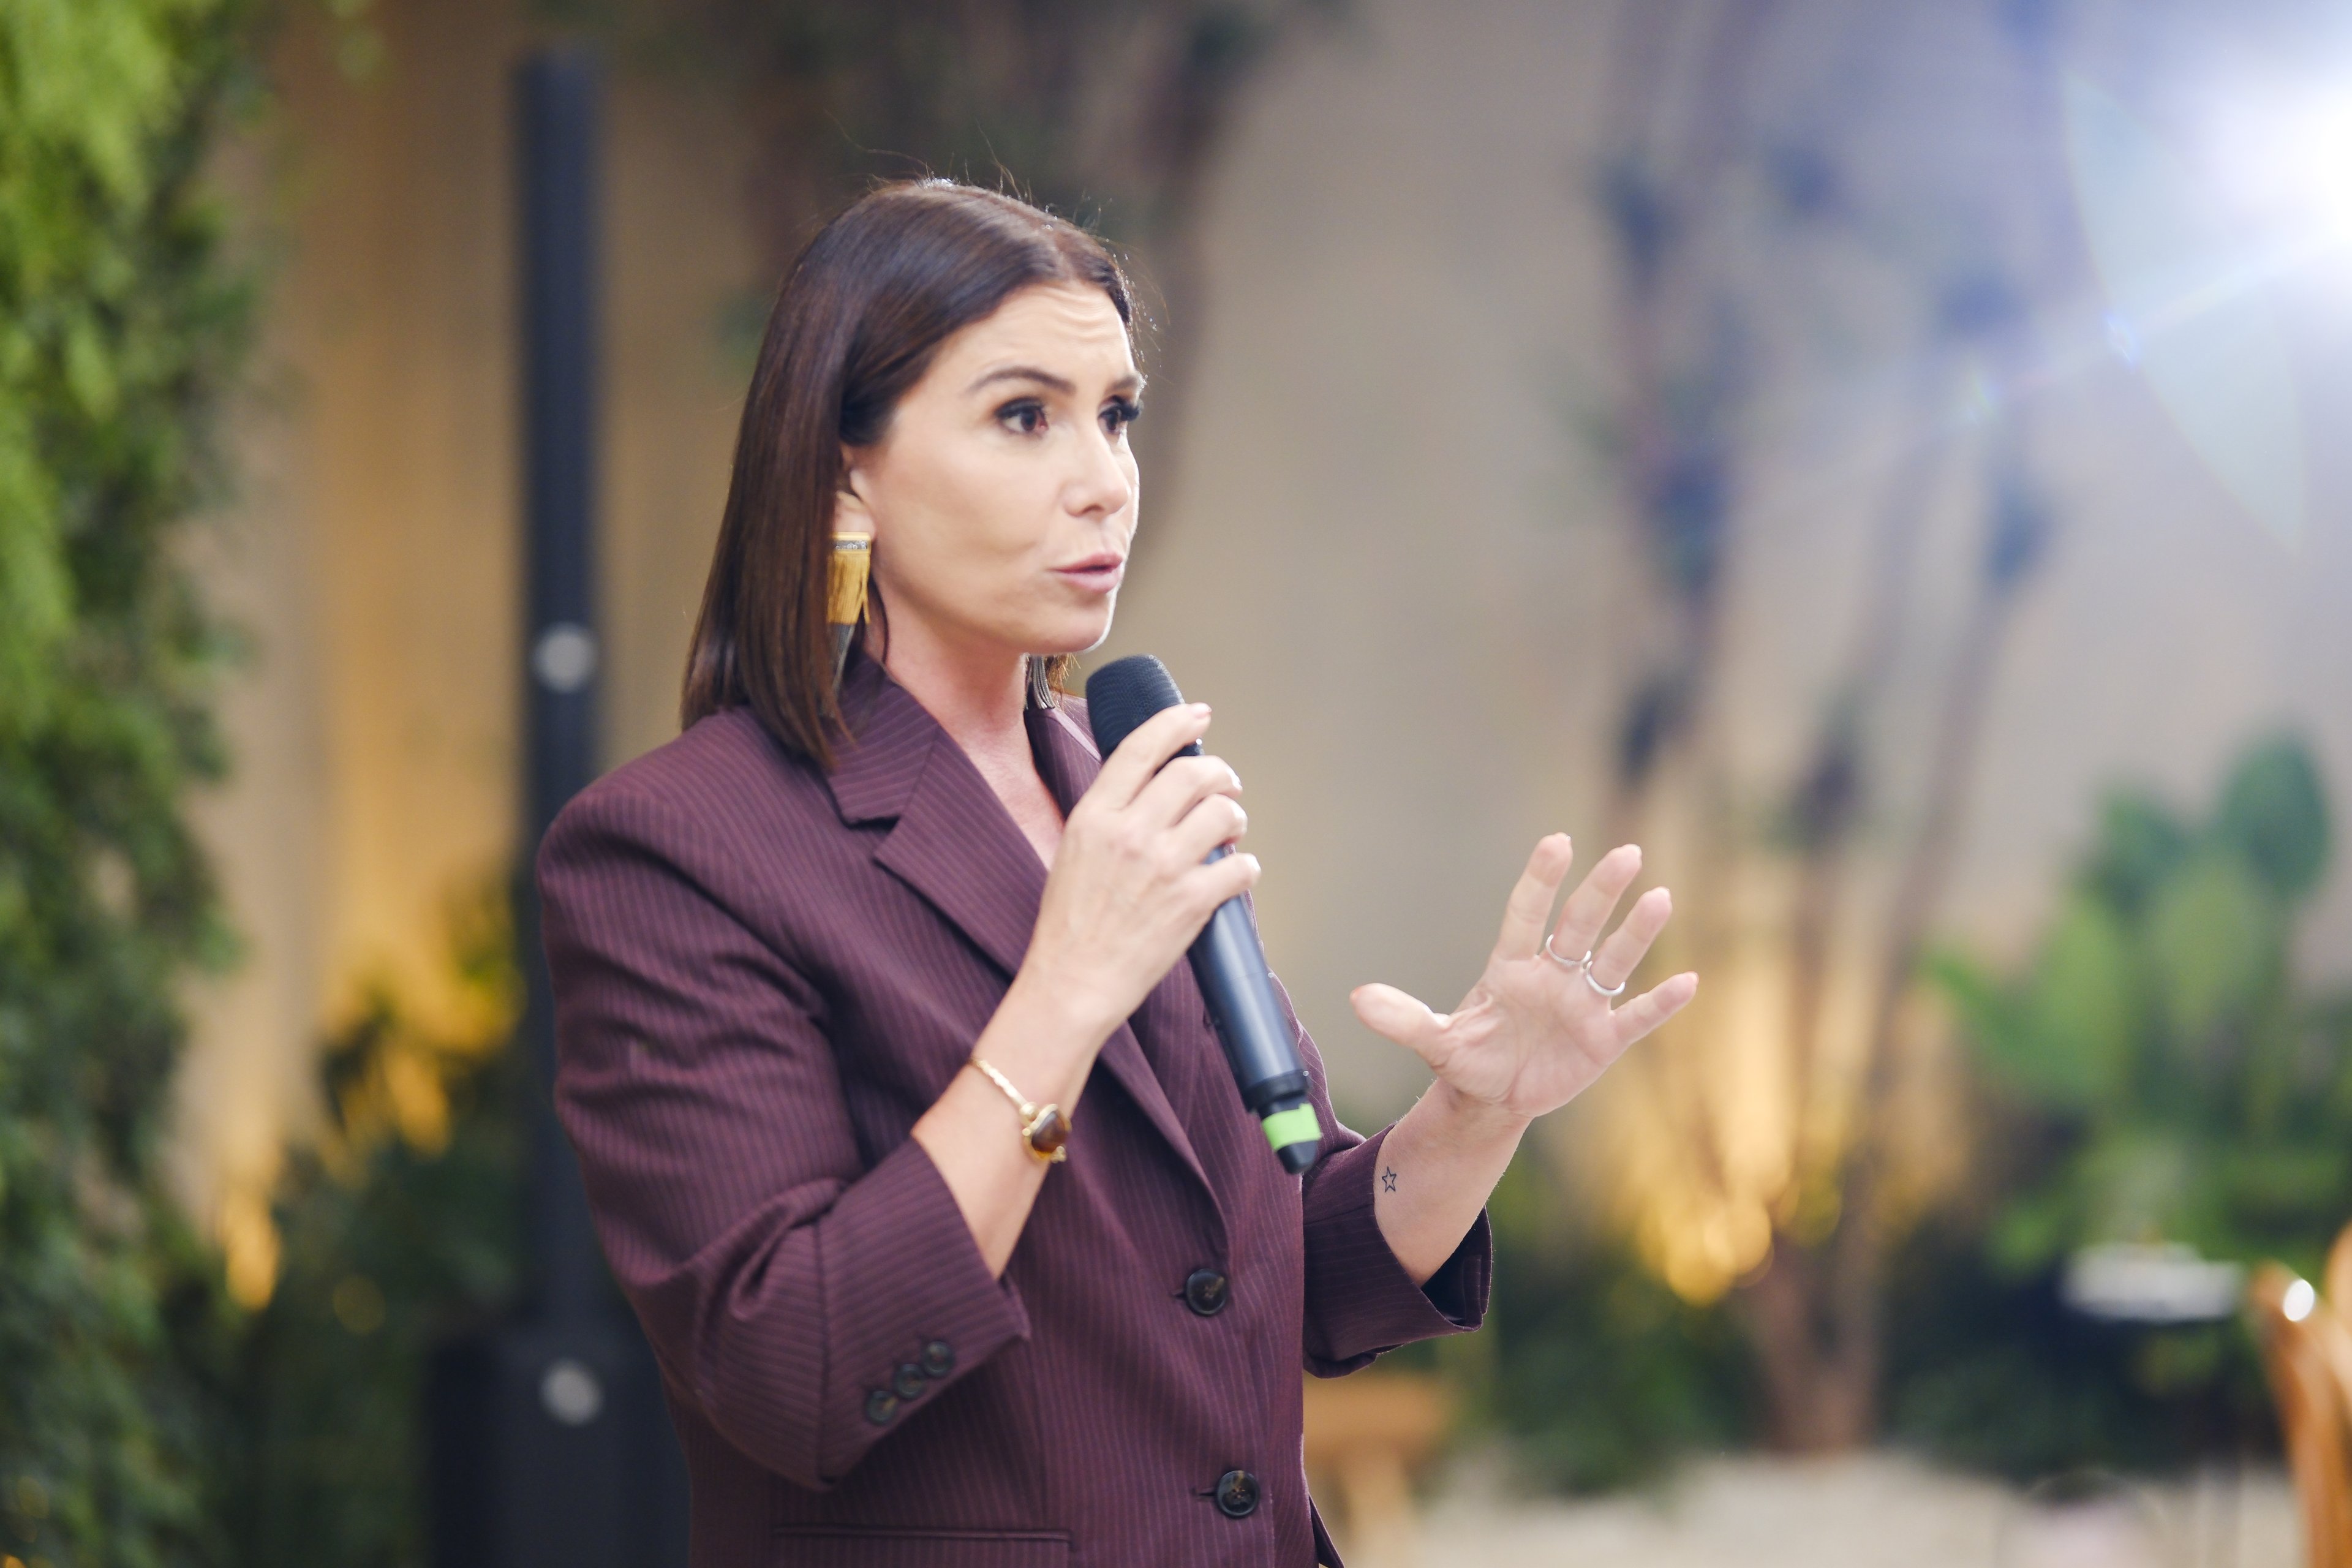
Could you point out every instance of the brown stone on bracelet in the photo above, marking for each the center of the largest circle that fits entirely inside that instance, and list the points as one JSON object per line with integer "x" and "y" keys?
{"x": 1048, "y": 1134}
{"x": 1044, "y": 1129}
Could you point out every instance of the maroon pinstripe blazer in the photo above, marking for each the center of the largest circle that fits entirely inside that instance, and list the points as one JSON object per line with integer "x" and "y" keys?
{"x": 764, "y": 975}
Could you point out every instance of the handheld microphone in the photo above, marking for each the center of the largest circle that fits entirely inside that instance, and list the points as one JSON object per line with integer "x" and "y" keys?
{"x": 1228, "y": 959}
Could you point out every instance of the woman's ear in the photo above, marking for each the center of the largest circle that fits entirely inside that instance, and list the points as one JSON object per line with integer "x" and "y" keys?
{"x": 850, "y": 513}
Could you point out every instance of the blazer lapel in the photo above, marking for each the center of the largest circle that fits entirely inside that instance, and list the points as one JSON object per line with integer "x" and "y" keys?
{"x": 956, "y": 845}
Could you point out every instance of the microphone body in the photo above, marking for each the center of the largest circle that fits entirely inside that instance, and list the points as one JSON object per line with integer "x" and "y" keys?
{"x": 1228, "y": 959}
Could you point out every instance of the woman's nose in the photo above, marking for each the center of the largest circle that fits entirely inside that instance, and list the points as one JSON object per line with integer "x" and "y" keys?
{"x": 1101, "y": 486}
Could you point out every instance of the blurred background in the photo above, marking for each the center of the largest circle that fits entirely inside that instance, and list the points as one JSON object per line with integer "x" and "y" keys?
{"x": 1872, "y": 455}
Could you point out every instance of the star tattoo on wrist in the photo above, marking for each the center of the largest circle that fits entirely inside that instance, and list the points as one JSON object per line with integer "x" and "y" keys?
{"x": 1388, "y": 1180}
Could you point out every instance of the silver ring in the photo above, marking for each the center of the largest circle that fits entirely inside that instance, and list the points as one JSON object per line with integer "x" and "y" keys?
{"x": 1584, "y": 966}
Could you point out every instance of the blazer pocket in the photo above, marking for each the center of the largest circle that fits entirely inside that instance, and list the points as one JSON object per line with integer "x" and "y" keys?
{"x": 848, "y": 1546}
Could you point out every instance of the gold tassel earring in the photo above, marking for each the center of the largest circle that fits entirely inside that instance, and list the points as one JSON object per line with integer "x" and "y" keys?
{"x": 852, "y": 561}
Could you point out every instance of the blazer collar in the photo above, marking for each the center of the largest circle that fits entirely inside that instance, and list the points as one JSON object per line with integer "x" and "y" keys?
{"x": 876, "y": 768}
{"x": 956, "y": 845}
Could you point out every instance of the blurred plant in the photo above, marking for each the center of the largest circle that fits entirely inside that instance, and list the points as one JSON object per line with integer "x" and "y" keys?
{"x": 1761, "y": 1142}
{"x": 2151, "y": 1073}
{"x": 121, "y": 331}
{"x": 1994, "y": 1371}
{"x": 1109, "y": 114}
{"x": 401, "y": 1225}
{"x": 2157, "y": 1050}
{"x": 1598, "y": 1374}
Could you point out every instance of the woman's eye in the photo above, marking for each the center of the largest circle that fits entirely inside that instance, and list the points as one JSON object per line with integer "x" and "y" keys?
{"x": 1121, "y": 413}
{"x": 1026, "y": 417}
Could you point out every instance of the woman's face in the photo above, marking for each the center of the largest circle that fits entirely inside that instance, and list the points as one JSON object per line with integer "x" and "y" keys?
{"x": 1002, "y": 497}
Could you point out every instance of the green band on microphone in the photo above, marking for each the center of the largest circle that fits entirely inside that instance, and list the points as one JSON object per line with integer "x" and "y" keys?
{"x": 1296, "y": 1125}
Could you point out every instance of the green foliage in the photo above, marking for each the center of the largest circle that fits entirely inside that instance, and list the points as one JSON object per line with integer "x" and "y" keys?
{"x": 2187, "y": 1091}
{"x": 400, "y": 1224}
{"x": 2275, "y": 816}
{"x": 1597, "y": 1373}
{"x": 1996, "y": 1373}
{"x": 120, "y": 328}
{"x": 2154, "y": 1073}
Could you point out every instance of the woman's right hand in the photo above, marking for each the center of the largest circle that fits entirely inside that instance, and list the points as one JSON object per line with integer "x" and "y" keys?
{"x": 1128, "y": 890}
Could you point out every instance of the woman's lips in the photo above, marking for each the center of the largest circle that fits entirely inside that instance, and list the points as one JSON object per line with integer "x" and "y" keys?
{"x": 1099, "y": 572}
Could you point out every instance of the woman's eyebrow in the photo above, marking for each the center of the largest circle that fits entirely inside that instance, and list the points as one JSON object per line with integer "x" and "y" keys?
{"x": 1127, "y": 385}
{"x": 1027, "y": 372}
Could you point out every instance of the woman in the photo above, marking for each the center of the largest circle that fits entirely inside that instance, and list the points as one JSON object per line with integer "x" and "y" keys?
{"x": 825, "y": 964}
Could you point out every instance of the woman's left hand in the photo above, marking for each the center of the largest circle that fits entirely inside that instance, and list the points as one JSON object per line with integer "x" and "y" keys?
{"x": 1534, "y": 1033}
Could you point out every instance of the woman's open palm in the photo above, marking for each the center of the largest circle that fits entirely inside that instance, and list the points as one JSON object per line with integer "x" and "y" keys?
{"x": 1540, "y": 1026}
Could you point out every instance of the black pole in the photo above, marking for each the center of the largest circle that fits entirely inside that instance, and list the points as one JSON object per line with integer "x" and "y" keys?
{"x": 558, "y": 102}
{"x": 550, "y": 1447}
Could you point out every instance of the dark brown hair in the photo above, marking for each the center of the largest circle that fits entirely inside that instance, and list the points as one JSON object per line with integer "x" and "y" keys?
{"x": 861, "y": 315}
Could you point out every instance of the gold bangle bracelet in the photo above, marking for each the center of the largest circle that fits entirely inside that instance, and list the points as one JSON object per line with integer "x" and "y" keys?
{"x": 1044, "y": 1131}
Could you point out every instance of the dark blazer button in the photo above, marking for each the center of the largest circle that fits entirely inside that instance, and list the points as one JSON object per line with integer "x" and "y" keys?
{"x": 1237, "y": 1494}
{"x": 1205, "y": 1293}
{"x": 939, "y": 1359}
{"x": 880, "y": 1405}
{"x": 908, "y": 1382}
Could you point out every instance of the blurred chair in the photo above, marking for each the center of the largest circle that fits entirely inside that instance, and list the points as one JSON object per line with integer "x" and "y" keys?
{"x": 1365, "y": 1437}
{"x": 2307, "y": 1352}
{"x": 2337, "y": 1280}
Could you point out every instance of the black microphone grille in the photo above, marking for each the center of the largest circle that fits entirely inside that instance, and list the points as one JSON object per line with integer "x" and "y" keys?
{"x": 1125, "y": 692}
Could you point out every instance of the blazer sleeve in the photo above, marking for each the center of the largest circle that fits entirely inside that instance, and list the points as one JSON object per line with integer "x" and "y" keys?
{"x": 1361, "y": 1302}
{"x": 780, "y": 1281}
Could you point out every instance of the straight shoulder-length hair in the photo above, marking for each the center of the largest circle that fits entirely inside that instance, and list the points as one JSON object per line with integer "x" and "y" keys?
{"x": 861, "y": 316}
